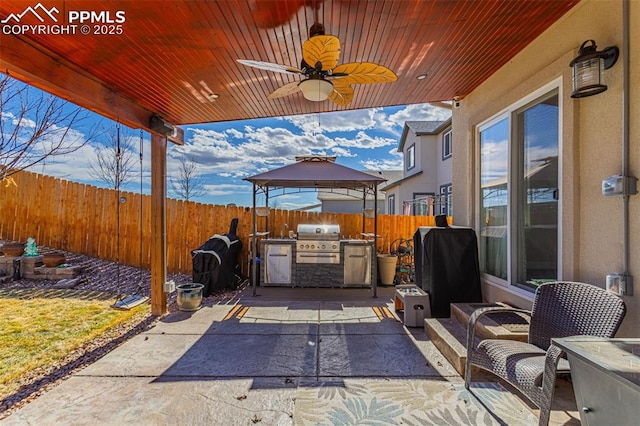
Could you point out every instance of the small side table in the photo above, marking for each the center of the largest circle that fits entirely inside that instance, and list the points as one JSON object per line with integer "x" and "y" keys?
{"x": 606, "y": 378}
{"x": 414, "y": 301}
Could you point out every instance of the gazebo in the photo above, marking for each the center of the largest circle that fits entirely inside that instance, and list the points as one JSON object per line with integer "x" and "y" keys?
{"x": 314, "y": 172}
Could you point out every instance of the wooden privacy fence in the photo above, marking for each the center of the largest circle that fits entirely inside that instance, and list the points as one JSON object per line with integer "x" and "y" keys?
{"x": 84, "y": 219}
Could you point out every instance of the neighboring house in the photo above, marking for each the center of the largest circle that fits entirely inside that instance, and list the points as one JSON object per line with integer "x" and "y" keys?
{"x": 426, "y": 184}
{"x": 338, "y": 200}
{"x": 530, "y": 162}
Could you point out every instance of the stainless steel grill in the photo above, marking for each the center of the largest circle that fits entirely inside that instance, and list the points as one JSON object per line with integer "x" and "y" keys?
{"x": 318, "y": 243}
{"x": 318, "y": 232}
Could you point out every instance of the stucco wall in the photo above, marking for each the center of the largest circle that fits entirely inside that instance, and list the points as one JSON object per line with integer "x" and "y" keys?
{"x": 591, "y": 146}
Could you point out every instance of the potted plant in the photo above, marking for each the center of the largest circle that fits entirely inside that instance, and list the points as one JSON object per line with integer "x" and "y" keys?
{"x": 13, "y": 249}
{"x": 51, "y": 260}
{"x": 387, "y": 264}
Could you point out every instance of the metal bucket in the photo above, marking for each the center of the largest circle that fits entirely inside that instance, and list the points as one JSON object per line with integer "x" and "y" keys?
{"x": 189, "y": 296}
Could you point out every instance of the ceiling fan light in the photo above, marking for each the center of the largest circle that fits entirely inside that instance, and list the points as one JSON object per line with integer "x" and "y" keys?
{"x": 315, "y": 89}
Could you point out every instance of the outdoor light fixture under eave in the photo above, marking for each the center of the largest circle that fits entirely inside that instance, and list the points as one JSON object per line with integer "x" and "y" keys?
{"x": 588, "y": 67}
{"x": 315, "y": 89}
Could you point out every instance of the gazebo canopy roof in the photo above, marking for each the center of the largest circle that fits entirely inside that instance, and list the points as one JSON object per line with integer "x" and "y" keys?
{"x": 315, "y": 172}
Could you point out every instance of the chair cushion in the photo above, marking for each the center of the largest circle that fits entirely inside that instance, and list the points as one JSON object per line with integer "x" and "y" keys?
{"x": 521, "y": 364}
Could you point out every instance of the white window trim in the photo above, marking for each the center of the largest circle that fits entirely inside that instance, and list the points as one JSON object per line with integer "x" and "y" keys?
{"x": 408, "y": 167}
{"x": 507, "y": 112}
{"x": 447, "y": 156}
{"x": 448, "y": 187}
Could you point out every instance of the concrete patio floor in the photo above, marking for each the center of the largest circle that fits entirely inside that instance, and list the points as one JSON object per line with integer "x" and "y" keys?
{"x": 286, "y": 356}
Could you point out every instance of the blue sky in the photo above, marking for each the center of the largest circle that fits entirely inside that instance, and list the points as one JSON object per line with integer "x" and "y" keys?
{"x": 227, "y": 152}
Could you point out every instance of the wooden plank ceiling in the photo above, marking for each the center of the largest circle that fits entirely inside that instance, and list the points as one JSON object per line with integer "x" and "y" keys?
{"x": 171, "y": 55}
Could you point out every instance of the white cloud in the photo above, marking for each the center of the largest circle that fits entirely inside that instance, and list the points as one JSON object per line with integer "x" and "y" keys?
{"x": 349, "y": 121}
{"x": 363, "y": 140}
{"x": 70, "y": 165}
{"x": 394, "y": 153}
{"x": 331, "y": 122}
{"x": 234, "y": 133}
{"x": 382, "y": 164}
{"x": 417, "y": 112}
{"x": 342, "y": 152}
{"x": 237, "y": 153}
{"x": 262, "y": 148}
{"x": 308, "y": 123}
{"x": 24, "y": 122}
{"x": 226, "y": 188}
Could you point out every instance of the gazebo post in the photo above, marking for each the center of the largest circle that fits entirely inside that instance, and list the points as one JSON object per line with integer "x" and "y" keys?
{"x": 266, "y": 204}
{"x": 364, "y": 207}
{"x": 253, "y": 243}
{"x": 375, "y": 237}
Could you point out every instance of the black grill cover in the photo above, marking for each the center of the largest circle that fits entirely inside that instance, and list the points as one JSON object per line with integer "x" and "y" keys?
{"x": 446, "y": 266}
{"x": 215, "y": 263}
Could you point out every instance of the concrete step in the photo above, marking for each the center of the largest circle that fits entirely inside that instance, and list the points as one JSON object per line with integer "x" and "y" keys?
{"x": 450, "y": 338}
{"x": 449, "y": 335}
{"x": 509, "y": 326}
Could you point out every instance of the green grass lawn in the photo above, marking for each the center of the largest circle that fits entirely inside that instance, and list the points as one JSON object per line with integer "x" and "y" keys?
{"x": 37, "y": 333}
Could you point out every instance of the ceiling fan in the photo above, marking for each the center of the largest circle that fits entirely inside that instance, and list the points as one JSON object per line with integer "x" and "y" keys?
{"x": 324, "y": 78}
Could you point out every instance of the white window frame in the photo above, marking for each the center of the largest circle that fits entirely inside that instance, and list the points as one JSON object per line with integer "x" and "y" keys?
{"x": 411, "y": 157}
{"x": 446, "y": 191}
{"x": 508, "y": 113}
{"x": 447, "y": 145}
{"x": 391, "y": 204}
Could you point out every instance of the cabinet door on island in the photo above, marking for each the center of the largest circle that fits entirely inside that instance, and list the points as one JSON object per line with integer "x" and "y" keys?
{"x": 278, "y": 264}
{"x": 357, "y": 265}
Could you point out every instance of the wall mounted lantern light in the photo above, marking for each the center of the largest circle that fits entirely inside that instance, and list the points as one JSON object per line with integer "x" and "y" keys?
{"x": 588, "y": 67}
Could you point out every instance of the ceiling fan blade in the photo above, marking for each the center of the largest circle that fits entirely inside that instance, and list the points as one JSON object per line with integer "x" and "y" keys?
{"x": 322, "y": 48}
{"x": 286, "y": 90}
{"x": 364, "y": 73}
{"x": 342, "y": 92}
{"x": 269, "y": 66}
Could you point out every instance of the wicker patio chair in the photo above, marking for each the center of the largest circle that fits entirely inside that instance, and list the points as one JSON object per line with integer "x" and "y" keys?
{"x": 560, "y": 309}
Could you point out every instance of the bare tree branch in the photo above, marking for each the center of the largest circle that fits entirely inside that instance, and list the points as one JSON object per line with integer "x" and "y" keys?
{"x": 114, "y": 162}
{"x": 35, "y": 126}
{"x": 187, "y": 184}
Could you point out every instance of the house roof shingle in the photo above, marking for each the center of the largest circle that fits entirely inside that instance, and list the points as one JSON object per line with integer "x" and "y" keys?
{"x": 422, "y": 128}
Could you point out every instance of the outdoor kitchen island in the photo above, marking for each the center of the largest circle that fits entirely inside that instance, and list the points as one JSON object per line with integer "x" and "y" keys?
{"x": 317, "y": 258}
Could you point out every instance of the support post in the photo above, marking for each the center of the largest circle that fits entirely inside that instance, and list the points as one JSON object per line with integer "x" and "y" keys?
{"x": 158, "y": 223}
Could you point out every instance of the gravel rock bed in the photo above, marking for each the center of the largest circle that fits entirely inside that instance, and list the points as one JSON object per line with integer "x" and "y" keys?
{"x": 112, "y": 278}
{"x": 106, "y": 277}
